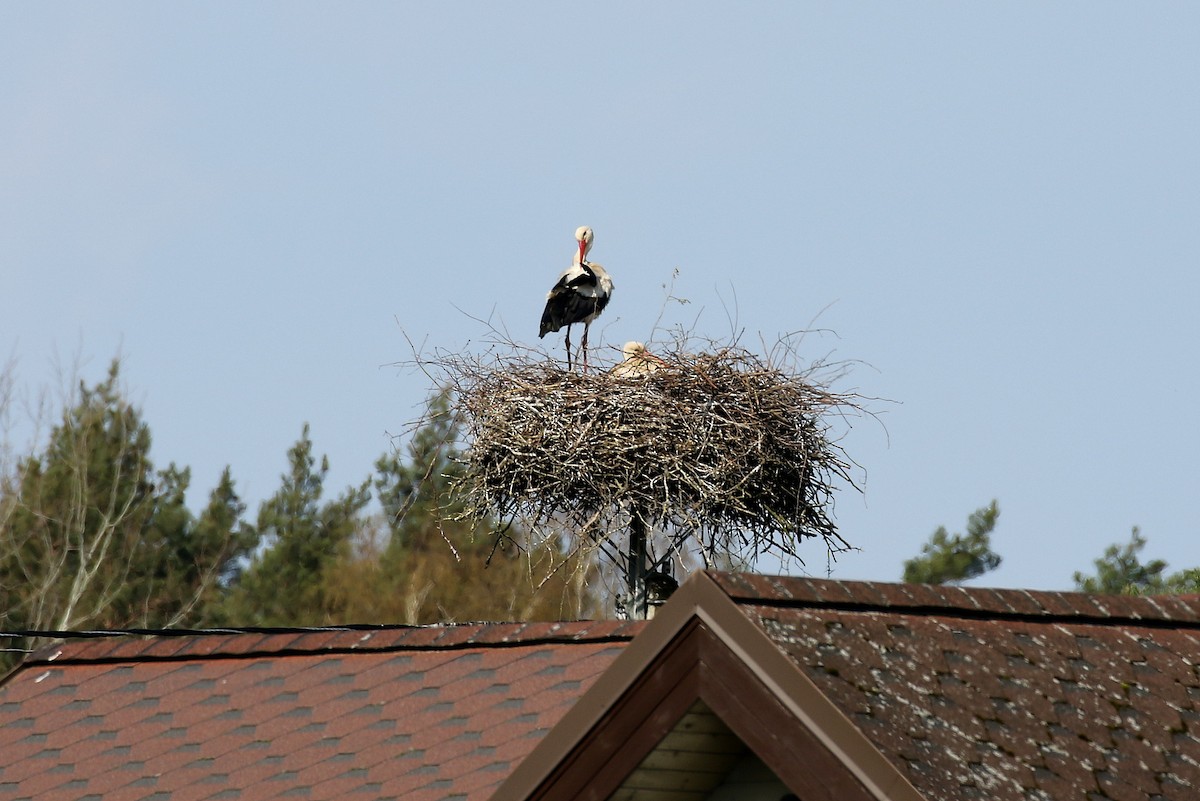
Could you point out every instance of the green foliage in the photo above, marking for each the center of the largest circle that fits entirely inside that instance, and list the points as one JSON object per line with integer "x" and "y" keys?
{"x": 92, "y": 536}
{"x": 88, "y": 496}
{"x": 947, "y": 559}
{"x": 417, "y": 493}
{"x": 331, "y": 562}
{"x": 1121, "y": 570}
{"x": 434, "y": 567}
{"x": 284, "y": 584}
{"x": 220, "y": 537}
{"x": 1183, "y": 582}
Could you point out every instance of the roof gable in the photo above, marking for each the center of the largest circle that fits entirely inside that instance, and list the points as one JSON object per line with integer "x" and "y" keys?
{"x": 693, "y": 760}
{"x": 701, "y": 646}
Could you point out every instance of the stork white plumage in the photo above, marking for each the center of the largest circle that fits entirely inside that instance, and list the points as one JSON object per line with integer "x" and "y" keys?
{"x": 638, "y": 362}
{"x": 582, "y": 292}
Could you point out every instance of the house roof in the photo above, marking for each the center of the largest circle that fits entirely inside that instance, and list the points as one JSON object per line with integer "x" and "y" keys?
{"x": 1001, "y": 694}
{"x": 416, "y": 712}
{"x": 889, "y": 691}
{"x": 843, "y": 690}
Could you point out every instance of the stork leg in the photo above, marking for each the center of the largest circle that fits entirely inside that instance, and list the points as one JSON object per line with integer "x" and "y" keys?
{"x": 568, "y": 348}
{"x": 586, "y": 326}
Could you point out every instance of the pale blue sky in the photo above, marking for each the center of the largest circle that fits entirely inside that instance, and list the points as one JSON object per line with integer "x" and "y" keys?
{"x": 998, "y": 204}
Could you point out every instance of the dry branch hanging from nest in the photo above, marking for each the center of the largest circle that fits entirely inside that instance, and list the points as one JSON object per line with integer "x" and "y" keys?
{"x": 720, "y": 446}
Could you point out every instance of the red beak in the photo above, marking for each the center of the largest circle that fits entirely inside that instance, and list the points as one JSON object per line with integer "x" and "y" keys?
{"x": 582, "y": 247}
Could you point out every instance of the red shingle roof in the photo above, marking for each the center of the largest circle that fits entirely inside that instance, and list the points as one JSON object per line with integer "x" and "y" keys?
{"x": 941, "y": 693}
{"x": 413, "y": 713}
{"x": 1001, "y": 694}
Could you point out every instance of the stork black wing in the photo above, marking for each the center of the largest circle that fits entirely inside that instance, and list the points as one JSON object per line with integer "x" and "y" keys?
{"x": 567, "y": 306}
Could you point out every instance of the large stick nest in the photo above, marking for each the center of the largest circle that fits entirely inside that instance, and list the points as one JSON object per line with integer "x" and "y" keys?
{"x": 722, "y": 446}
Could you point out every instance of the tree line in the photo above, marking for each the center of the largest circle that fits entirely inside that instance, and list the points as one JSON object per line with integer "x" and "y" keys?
{"x": 954, "y": 558}
{"x": 93, "y": 535}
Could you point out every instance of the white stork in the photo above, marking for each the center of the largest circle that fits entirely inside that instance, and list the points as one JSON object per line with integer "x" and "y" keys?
{"x": 638, "y": 362}
{"x": 580, "y": 295}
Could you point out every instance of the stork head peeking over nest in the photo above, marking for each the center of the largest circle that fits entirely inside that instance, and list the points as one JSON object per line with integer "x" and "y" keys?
{"x": 581, "y": 293}
{"x": 638, "y": 362}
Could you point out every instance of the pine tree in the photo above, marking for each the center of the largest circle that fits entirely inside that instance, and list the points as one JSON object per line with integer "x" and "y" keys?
{"x": 1121, "y": 570}
{"x": 419, "y": 564}
{"x": 416, "y": 495}
{"x": 285, "y": 583}
{"x": 210, "y": 555}
{"x": 947, "y": 559}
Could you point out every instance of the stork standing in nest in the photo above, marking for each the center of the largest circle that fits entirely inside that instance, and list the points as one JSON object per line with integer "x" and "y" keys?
{"x": 582, "y": 292}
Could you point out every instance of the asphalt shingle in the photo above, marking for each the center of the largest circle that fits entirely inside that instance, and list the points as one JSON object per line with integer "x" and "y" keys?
{"x": 410, "y": 712}
{"x": 1009, "y": 695}
{"x": 1001, "y": 694}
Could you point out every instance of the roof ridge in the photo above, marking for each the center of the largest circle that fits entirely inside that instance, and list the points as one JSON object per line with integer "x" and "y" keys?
{"x": 1045, "y": 606}
{"x": 141, "y": 645}
{"x": 185, "y": 632}
{"x": 935, "y": 610}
